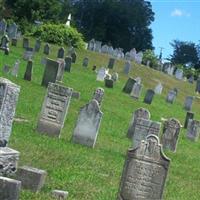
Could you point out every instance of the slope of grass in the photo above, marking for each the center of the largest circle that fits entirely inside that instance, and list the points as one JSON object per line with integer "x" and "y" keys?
{"x": 94, "y": 174}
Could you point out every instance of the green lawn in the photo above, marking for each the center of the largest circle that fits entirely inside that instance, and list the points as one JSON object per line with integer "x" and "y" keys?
{"x": 94, "y": 174}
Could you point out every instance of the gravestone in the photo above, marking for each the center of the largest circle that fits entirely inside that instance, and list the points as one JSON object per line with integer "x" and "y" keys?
{"x": 61, "y": 53}
{"x": 73, "y": 56}
{"x": 145, "y": 172}
{"x": 37, "y": 45}
{"x": 109, "y": 83}
{"x": 6, "y": 69}
{"x": 191, "y": 79}
{"x": 61, "y": 70}
{"x": 98, "y": 95}
{"x": 193, "y": 130}
{"x": 68, "y": 63}
{"x": 129, "y": 85}
{"x": 138, "y": 80}
{"x": 12, "y": 31}
{"x": 9, "y": 93}
{"x": 85, "y": 62}
{"x": 5, "y": 44}
{"x": 197, "y": 89}
{"x": 88, "y": 124}
{"x": 127, "y": 67}
{"x": 54, "y": 109}
{"x": 170, "y": 134}
{"x": 189, "y": 115}
{"x": 171, "y": 96}
{"x": 9, "y": 189}
{"x": 76, "y": 95}
{"x": 15, "y": 68}
{"x": 60, "y": 194}
{"x": 188, "y": 103}
{"x": 28, "y": 54}
{"x": 3, "y": 26}
{"x": 14, "y": 42}
{"x": 136, "y": 91}
{"x": 149, "y": 96}
{"x": 179, "y": 74}
{"x": 158, "y": 89}
{"x": 29, "y": 71}
{"x": 50, "y": 72}
{"x": 115, "y": 77}
{"x": 111, "y": 63}
{"x": 46, "y": 49}
{"x": 139, "y": 113}
{"x": 25, "y": 43}
{"x": 102, "y": 74}
{"x": 31, "y": 178}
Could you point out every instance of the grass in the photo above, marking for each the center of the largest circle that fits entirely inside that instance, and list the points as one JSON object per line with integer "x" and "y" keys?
{"x": 94, "y": 174}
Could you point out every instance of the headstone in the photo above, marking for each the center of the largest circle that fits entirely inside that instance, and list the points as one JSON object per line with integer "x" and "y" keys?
{"x": 15, "y": 68}
{"x": 109, "y": 83}
{"x": 12, "y": 31}
{"x": 88, "y": 124}
{"x": 6, "y": 69}
{"x": 127, "y": 67}
{"x": 28, "y": 54}
{"x": 25, "y": 43}
{"x": 136, "y": 91}
{"x": 188, "y": 103}
{"x": 5, "y": 44}
{"x": 68, "y": 63}
{"x": 43, "y": 61}
{"x": 54, "y": 109}
{"x": 46, "y": 49}
{"x": 176, "y": 91}
{"x": 197, "y": 89}
{"x": 115, "y": 77}
{"x": 61, "y": 69}
{"x": 170, "y": 134}
{"x": 191, "y": 79}
{"x": 9, "y": 93}
{"x": 37, "y": 45}
{"x": 60, "y": 194}
{"x": 149, "y": 96}
{"x": 9, "y": 189}
{"x": 98, "y": 95}
{"x": 111, "y": 63}
{"x": 3, "y": 26}
{"x": 14, "y": 42}
{"x": 29, "y": 71}
{"x": 129, "y": 85}
{"x": 138, "y": 80}
{"x": 145, "y": 172}
{"x": 193, "y": 130}
{"x": 139, "y": 113}
{"x": 158, "y": 89}
{"x": 73, "y": 56}
{"x": 171, "y": 96}
{"x": 85, "y": 62}
{"x": 61, "y": 53}
{"x": 102, "y": 74}
{"x": 189, "y": 115}
{"x": 179, "y": 74}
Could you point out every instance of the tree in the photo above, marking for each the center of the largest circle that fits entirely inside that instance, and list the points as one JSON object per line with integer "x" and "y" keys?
{"x": 123, "y": 23}
{"x": 150, "y": 56}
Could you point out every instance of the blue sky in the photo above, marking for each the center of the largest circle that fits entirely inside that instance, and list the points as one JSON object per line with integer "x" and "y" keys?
{"x": 175, "y": 19}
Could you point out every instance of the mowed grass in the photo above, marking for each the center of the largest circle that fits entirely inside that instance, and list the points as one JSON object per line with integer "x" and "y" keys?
{"x": 94, "y": 174}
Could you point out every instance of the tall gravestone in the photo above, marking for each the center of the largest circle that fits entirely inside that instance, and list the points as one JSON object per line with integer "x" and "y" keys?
{"x": 3, "y": 26}
{"x": 136, "y": 91}
{"x": 88, "y": 123}
{"x": 149, "y": 96}
{"x": 9, "y": 93}
{"x": 189, "y": 115}
{"x": 127, "y": 67}
{"x": 111, "y": 63}
{"x": 193, "y": 130}
{"x": 139, "y": 113}
{"x": 54, "y": 109}
{"x": 15, "y": 68}
{"x": 37, "y": 45}
{"x": 188, "y": 103}
{"x": 171, "y": 96}
{"x": 170, "y": 134}
{"x": 25, "y": 43}
{"x": 61, "y": 69}
{"x": 12, "y": 30}
{"x": 98, "y": 95}
{"x": 46, "y": 49}
{"x": 29, "y": 70}
{"x": 68, "y": 63}
{"x": 61, "y": 53}
{"x": 145, "y": 172}
{"x": 129, "y": 85}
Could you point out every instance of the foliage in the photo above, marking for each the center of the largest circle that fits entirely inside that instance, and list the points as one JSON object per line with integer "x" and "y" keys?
{"x": 150, "y": 56}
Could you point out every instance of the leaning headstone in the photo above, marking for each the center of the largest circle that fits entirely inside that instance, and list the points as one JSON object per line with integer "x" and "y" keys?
{"x": 15, "y": 69}
{"x": 193, "y": 130}
{"x": 109, "y": 83}
{"x": 12, "y": 30}
{"x": 9, "y": 93}
{"x": 149, "y": 96}
{"x": 68, "y": 63}
{"x": 85, "y": 62}
{"x": 136, "y": 91}
{"x": 46, "y": 49}
{"x": 171, "y": 96}
{"x": 54, "y": 110}
{"x": 25, "y": 43}
{"x": 29, "y": 71}
{"x": 14, "y": 42}
{"x": 127, "y": 67}
{"x": 88, "y": 124}
{"x": 115, "y": 77}
{"x": 170, "y": 134}
{"x": 145, "y": 171}
{"x": 37, "y": 45}
{"x": 60, "y": 194}
{"x": 3, "y": 26}
{"x": 158, "y": 89}
{"x": 129, "y": 85}
{"x": 188, "y": 103}
{"x": 98, "y": 95}
{"x": 9, "y": 189}
{"x": 73, "y": 56}
{"x": 61, "y": 53}
{"x": 139, "y": 113}
{"x": 6, "y": 69}
{"x": 189, "y": 115}
{"x": 111, "y": 63}
{"x": 31, "y": 178}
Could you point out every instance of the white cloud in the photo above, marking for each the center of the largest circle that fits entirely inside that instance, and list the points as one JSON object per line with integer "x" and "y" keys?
{"x": 179, "y": 13}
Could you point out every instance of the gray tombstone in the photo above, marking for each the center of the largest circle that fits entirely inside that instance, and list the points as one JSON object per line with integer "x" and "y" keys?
{"x": 9, "y": 93}
{"x": 28, "y": 54}
{"x": 29, "y": 71}
{"x": 15, "y": 68}
{"x": 98, "y": 95}
{"x": 188, "y": 103}
{"x": 88, "y": 123}
{"x": 149, "y": 96}
{"x": 73, "y": 56}
{"x": 46, "y": 49}
{"x": 14, "y": 42}
{"x": 6, "y": 69}
{"x": 61, "y": 53}
{"x": 5, "y": 44}
{"x": 127, "y": 67}
{"x": 193, "y": 129}
{"x": 139, "y": 113}
{"x": 115, "y": 77}
{"x": 145, "y": 172}
{"x": 12, "y": 30}
{"x": 136, "y": 91}
{"x": 158, "y": 89}
{"x": 197, "y": 89}
{"x": 171, "y": 96}
{"x": 85, "y": 62}
{"x": 111, "y": 63}
{"x": 170, "y": 134}
{"x": 50, "y": 72}
{"x": 189, "y": 115}
{"x": 68, "y": 63}
{"x": 129, "y": 85}
{"x": 191, "y": 79}
{"x": 3, "y": 26}
{"x": 25, "y": 43}
{"x": 60, "y": 194}
{"x": 37, "y": 45}
{"x": 61, "y": 69}
{"x": 109, "y": 83}
{"x": 31, "y": 178}
{"x": 9, "y": 189}
{"x": 54, "y": 110}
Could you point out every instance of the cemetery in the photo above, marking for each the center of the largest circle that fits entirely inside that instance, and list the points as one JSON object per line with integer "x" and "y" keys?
{"x": 94, "y": 123}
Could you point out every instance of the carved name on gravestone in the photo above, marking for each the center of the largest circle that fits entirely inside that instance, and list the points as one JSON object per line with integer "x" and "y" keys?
{"x": 9, "y": 93}
{"x": 3, "y": 26}
{"x": 129, "y": 85}
{"x": 189, "y": 115}
{"x": 139, "y": 113}
{"x": 98, "y": 95}
{"x": 46, "y": 49}
{"x": 29, "y": 71}
{"x": 145, "y": 171}
{"x": 61, "y": 53}
{"x": 170, "y": 134}
{"x": 111, "y": 63}
{"x": 12, "y": 30}
{"x": 15, "y": 68}
{"x": 188, "y": 103}
{"x": 193, "y": 130}
{"x": 171, "y": 96}
{"x": 88, "y": 123}
{"x": 85, "y": 62}
{"x": 54, "y": 109}
{"x": 149, "y": 96}
{"x": 136, "y": 91}
{"x": 143, "y": 128}
{"x": 68, "y": 63}
{"x": 25, "y": 43}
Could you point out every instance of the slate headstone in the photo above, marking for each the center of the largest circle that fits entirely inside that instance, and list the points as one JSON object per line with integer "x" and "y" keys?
{"x": 149, "y": 96}
{"x": 68, "y": 63}
{"x": 193, "y": 130}
{"x": 61, "y": 53}
{"x": 188, "y": 103}
{"x": 129, "y": 85}
{"x": 189, "y": 115}
{"x": 29, "y": 71}
{"x": 111, "y": 63}
{"x": 46, "y": 49}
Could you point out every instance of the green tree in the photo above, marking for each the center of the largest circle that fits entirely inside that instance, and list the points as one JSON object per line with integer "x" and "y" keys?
{"x": 149, "y": 56}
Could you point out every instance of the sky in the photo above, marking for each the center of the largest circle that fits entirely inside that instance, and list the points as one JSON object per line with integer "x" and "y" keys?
{"x": 175, "y": 19}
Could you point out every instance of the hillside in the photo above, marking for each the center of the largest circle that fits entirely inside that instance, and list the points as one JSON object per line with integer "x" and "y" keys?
{"x": 94, "y": 174}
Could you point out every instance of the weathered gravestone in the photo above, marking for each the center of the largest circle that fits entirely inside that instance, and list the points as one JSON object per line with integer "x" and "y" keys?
{"x": 31, "y": 178}
{"x": 9, "y": 93}
{"x": 37, "y": 45}
{"x": 179, "y": 74}
{"x": 109, "y": 83}
{"x": 25, "y": 43}
{"x": 171, "y": 96}
{"x": 189, "y": 115}
{"x": 61, "y": 53}
{"x": 191, "y": 79}
{"x": 149, "y": 96}
{"x": 68, "y": 63}
{"x": 145, "y": 172}
{"x": 14, "y": 42}
{"x": 85, "y": 62}
{"x": 28, "y": 54}
{"x": 46, "y": 49}
{"x": 29, "y": 71}
{"x": 111, "y": 63}
{"x": 5, "y": 44}
{"x": 188, "y": 103}
{"x": 101, "y": 74}
{"x": 139, "y": 113}
{"x": 61, "y": 69}
{"x": 9, "y": 189}
{"x": 136, "y": 91}
{"x": 12, "y": 30}
{"x": 158, "y": 89}
{"x": 60, "y": 194}
{"x": 115, "y": 77}
{"x": 129, "y": 85}
{"x": 15, "y": 68}
{"x": 73, "y": 56}
{"x": 6, "y": 69}
{"x": 193, "y": 130}
{"x": 3, "y": 26}
{"x": 127, "y": 67}
{"x": 197, "y": 89}
{"x": 54, "y": 109}
{"x": 88, "y": 123}
{"x": 170, "y": 134}
{"x": 98, "y": 95}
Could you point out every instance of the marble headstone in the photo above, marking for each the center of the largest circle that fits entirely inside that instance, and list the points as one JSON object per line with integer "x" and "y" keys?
{"x": 136, "y": 91}
{"x": 158, "y": 89}
{"x": 193, "y": 130}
